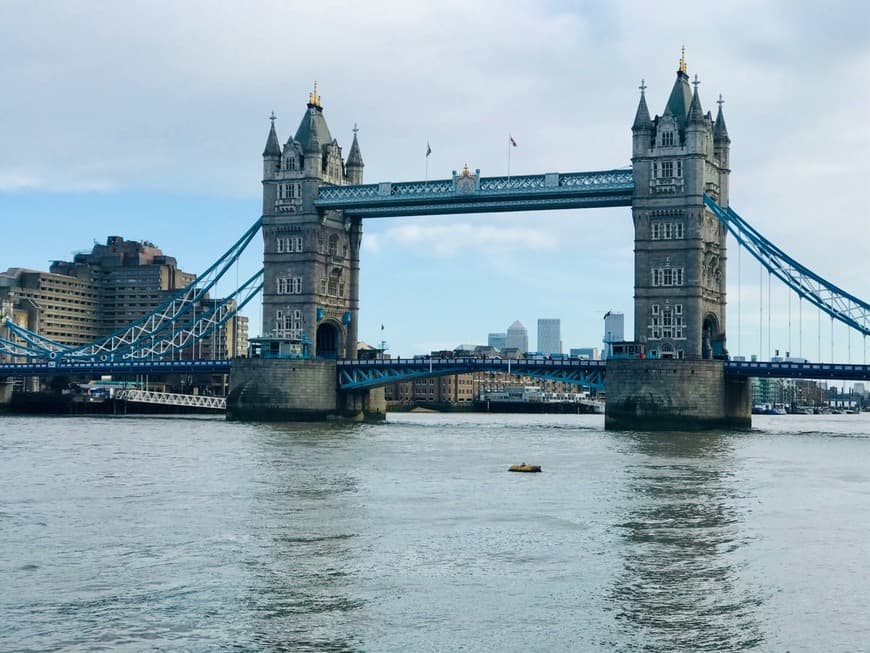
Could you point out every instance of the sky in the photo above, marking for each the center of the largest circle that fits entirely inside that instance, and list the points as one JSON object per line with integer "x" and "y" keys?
{"x": 148, "y": 119}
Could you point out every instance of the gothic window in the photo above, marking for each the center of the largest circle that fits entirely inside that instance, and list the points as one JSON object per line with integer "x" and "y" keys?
{"x": 679, "y": 168}
{"x": 655, "y": 309}
{"x": 667, "y": 276}
{"x": 667, "y": 138}
{"x": 656, "y": 230}
{"x": 678, "y": 230}
{"x": 321, "y": 247}
{"x": 667, "y": 168}
{"x": 289, "y": 285}
{"x": 668, "y": 230}
{"x": 288, "y": 191}
{"x": 333, "y": 245}
{"x": 288, "y": 244}
{"x": 322, "y": 286}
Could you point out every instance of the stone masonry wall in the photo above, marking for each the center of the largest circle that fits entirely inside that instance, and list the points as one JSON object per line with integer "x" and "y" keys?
{"x": 654, "y": 394}
{"x": 282, "y": 389}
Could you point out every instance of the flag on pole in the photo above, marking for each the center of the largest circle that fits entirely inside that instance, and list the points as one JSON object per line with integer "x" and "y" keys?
{"x": 513, "y": 142}
{"x": 428, "y": 149}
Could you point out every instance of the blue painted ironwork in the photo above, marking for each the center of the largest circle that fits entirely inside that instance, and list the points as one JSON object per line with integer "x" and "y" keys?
{"x": 832, "y": 300}
{"x": 357, "y": 375}
{"x": 67, "y": 367}
{"x": 488, "y": 195}
{"x": 783, "y": 370}
{"x": 171, "y": 327}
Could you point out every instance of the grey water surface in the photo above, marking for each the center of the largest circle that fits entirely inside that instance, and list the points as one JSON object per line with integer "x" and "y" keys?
{"x": 148, "y": 533}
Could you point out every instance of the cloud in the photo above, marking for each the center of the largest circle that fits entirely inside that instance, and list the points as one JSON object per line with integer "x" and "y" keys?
{"x": 11, "y": 182}
{"x": 454, "y": 239}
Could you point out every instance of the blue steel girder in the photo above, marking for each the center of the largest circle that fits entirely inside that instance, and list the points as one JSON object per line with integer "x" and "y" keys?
{"x": 808, "y": 285}
{"x": 67, "y": 367}
{"x": 358, "y": 375}
{"x": 487, "y": 195}
{"x": 785, "y": 370}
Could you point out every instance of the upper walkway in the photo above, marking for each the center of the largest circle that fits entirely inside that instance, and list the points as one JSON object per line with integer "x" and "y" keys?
{"x": 470, "y": 193}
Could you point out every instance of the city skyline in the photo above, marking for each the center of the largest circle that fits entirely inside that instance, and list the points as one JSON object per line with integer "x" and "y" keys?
{"x": 163, "y": 144}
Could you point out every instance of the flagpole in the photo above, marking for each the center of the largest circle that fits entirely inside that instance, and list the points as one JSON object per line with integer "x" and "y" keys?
{"x": 509, "y": 156}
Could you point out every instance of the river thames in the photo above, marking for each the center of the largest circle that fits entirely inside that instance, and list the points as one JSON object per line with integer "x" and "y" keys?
{"x": 197, "y": 534}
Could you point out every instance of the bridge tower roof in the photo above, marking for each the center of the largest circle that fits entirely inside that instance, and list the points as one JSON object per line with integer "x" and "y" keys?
{"x": 681, "y": 95}
{"x": 313, "y": 126}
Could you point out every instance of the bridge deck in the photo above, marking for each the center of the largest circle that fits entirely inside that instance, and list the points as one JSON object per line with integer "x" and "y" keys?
{"x": 481, "y": 195}
{"x": 354, "y": 374}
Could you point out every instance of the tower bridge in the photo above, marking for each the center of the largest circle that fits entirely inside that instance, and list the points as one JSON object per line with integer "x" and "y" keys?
{"x": 314, "y": 204}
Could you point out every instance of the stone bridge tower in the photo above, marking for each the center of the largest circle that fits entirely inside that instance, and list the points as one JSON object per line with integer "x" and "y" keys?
{"x": 311, "y": 257}
{"x": 680, "y": 246}
{"x": 679, "y": 275}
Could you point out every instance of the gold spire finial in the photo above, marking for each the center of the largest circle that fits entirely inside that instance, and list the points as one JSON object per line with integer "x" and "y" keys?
{"x": 683, "y": 59}
{"x": 313, "y": 97}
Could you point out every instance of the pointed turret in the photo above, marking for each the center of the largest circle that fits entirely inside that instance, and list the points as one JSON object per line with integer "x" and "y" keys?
{"x": 696, "y": 113}
{"x": 641, "y": 118}
{"x": 273, "y": 148}
{"x": 354, "y": 165}
{"x": 720, "y": 131}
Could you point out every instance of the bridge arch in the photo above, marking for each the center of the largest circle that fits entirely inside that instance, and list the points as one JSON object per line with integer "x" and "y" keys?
{"x": 329, "y": 340}
{"x": 710, "y": 335}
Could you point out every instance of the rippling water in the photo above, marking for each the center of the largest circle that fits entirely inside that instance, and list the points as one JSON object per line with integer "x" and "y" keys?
{"x": 197, "y": 534}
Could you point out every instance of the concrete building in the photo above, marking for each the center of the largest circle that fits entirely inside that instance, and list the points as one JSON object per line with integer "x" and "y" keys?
{"x": 497, "y": 340}
{"x": 104, "y": 290}
{"x": 614, "y": 331}
{"x": 549, "y": 336}
{"x": 517, "y": 337}
{"x": 590, "y": 353}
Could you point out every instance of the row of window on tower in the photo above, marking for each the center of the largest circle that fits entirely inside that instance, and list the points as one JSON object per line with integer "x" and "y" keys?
{"x": 667, "y": 322}
{"x": 668, "y": 276}
{"x": 331, "y": 286}
{"x": 288, "y": 323}
{"x": 667, "y": 169}
{"x": 293, "y": 244}
{"x": 667, "y": 230}
{"x": 289, "y": 191}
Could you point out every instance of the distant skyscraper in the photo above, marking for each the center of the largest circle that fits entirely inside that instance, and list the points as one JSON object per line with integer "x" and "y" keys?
{"x": 497, "y": 340}
{"x": 517, "y": 336}
{"x": 549, "y": 336}
{"x": 614, "y": 331}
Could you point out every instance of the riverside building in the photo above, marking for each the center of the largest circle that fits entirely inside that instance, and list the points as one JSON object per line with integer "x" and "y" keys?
{"x": 104, "y": 290}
